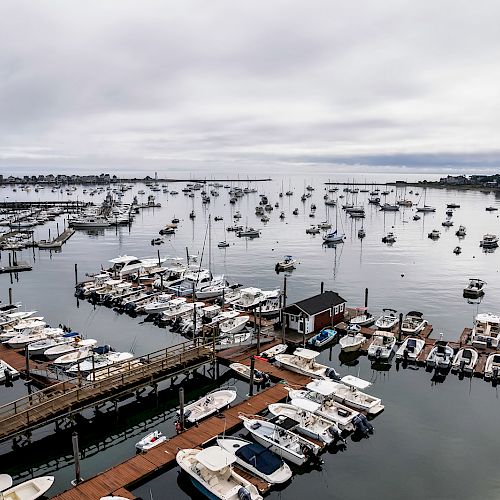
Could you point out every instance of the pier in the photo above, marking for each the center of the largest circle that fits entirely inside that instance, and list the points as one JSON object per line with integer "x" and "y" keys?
{"x": 70, "y": 397}
{"x": 118, "y": 480}
{"x": 57, "y": 242}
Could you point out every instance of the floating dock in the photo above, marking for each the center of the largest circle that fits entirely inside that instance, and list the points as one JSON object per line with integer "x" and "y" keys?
{"x": 19, "y": 267}
{"x": 56, "y": 242}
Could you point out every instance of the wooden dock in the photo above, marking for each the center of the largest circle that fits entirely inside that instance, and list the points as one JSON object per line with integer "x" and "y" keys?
{"x": 70, "y": 397}
{"x": 19, "y": 267}
{"x": 56, "y": 242}
{"x": 123, "y": 476}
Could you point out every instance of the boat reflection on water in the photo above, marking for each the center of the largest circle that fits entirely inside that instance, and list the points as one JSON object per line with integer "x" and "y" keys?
{"x": 350, "y": 358}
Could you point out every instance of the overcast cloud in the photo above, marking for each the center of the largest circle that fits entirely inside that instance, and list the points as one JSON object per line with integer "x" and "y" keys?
{"x": 105, "y": 84}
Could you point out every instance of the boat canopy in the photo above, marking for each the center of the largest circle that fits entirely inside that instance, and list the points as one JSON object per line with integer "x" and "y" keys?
{"x": 215, "y": 458}
{"x": 305, "y": 404}
{"x": 323, "y": 387}
{"x": 306, "y": 353}
{"x": 259, "y": 457}
{"x": 356, "y": 382}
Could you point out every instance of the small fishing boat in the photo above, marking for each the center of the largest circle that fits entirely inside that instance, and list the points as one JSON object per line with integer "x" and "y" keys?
{"x": 457, "y": 250}
{"x": 389, "y": 238}
{"x": 324, "y": 337}
{"x": 361, "y": 233}
{"x": 244, "y": 371}
{"x": 312, "y": 230}
{"x": 410, "y": 349}
{"x": 53, "y": 353}
{"x": 492, "y": 367}
{"x": 223, "y": 244}
{"x": 413, "y": 323}
{"x": 382, "y": 346}
{"x": 295, "y": 211}
{"x": 273, "y": 351}
{"x": 150, "y": 441}
{"x": 208, "y": 405}
{"x": 489, "y": 241}
{"x": 29, "y": 490}
{"x": 98, "y": 361}
{"x": 434, "y": 234}
{"x": 465, "y": 360}
{"x": 491, "y": 209}
{"x": 416, "y": 217}
{"x": 441, "y": 356}
{"x": 352, "y": 341}
{"x": 388, "y": 320}
{"x": 308, "y": 423}
{"x": 285, "y": 443}
{"x": 234, "y": 340}
{"x": 249, "y": 232}
{"x": 461, "y": 231}
{"x": 475, "y": 288}
{"x": 234, "y": 325}
{"x": 447, "y": 223}
{"x": 257, "y": 459}
{"x": 211, "y": 472}
{"x": 287, "y": 263}
{"x": 362, "y": 318}
{"x": 7, "y": 372}
{"x": 324, "y": 225}
{"x": 303, "y": 361}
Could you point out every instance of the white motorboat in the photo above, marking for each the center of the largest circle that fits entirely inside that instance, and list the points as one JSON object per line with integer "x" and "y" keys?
{"x": 492, "y": 367}
{"x": 287, "y": 263}
{"x": 257, "y": 459}
{"x": 38, "y": 348}
{"x": 352, "y": 341}
{"x": 382, "y": 346}
{"x": 465, "y": 360}
{"x": 233, "y": 325}
{"x": 273, "y": 351}
{"x": 211, "y": 473}
{"x": 283, "y": 442}
{"x": 447, "y": 223}
{"x": 489, "y": 241}
{"x": 308, "y": 423}
{"x": 388, "y": 320}
{"x": 159, "y": 304}
{"x": 474, "y": 289}
{"x": 389, "y": 238}
{"x": 98, "y": 361}
{"x": 434, "y": 234}
{"x": 150, "y": 441}
{"x": 181, "y": 309}
{"x": 486, "y": 330}
{"x": 441, "y": 356}
{"x": 21, "y": 341}
{"x": 29, "y": 490}
{"x": 303, "y": 361}
{"x": 244, "y": 371}
{"x": 324, "y": 337}
{"x": 413, "y": 323}
{"x": 234, "y": 340}
{"x": 55, "y": 352}
{"x": 7, "y": 371}
{"x": 362, "y": 318}
{"x": 321, "y": 402}
{"x": 348, "y": 392}
{"x": 312, "y": 229}
{"x": 410, "y": 349}
{"x": 208, "y": 405}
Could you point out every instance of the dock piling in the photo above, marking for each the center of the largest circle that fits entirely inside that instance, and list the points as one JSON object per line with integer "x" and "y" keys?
{"x": 181, "y": 407}
{"x": 10, "y": 296}
{"x": 252, "y": 371}
{"x": 76, "y": 454}
{"x": 400, "y": 325}
{"x": 366, "y": 297}
{"x": 76, "y": 274}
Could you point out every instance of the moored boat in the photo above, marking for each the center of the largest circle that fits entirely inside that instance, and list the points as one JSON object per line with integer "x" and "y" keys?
{"x": 208, "y": 405}
{"x": 150, "y": 441}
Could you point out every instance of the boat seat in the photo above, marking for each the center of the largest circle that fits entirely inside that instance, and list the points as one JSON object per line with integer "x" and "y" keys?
{"x": 213, "y": 481}
{"x": 226, "y": 474}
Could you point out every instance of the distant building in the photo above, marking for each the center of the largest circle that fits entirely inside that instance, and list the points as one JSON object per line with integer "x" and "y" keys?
{"x": 314, "y": 313}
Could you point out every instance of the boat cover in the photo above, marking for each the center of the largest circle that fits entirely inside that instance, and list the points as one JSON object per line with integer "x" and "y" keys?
{"x": 259, "y": 457}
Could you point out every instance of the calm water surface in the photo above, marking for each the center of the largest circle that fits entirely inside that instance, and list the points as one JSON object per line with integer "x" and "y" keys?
{"x": 436, "y": 439}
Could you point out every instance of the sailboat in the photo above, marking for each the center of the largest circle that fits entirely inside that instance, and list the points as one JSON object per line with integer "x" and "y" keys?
{"x": 223, "y": 243}
{"x": 425, "y": 208}
{"x": 335, "y": 236}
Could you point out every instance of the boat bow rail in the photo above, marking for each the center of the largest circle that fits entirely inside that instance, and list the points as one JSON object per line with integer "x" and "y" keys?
{"x": 65, "y": 398}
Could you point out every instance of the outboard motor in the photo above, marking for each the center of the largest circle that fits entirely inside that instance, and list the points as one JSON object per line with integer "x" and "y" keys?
{"x": 335, "y": 433}
{"x": 495, "y": 373}
{"x": 332, "y": 374}
{"x": 362, "y": 425}
{"x": 244, "y": 494}
{"x": 366, "y": 423}
{"x": 378, "y": 353}
{"x": 462, "y": 365}
{"x": 405, "y": 354}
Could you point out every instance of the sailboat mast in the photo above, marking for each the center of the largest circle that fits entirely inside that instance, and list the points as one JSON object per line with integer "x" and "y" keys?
{"x": 210, "y": 245}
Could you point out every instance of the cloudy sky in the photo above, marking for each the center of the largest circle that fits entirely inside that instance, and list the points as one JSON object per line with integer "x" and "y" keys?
{"x": 124, "y": 84}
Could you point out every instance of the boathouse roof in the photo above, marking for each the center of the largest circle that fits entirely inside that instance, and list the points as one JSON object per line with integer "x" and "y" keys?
{"x": 316, "y": 304}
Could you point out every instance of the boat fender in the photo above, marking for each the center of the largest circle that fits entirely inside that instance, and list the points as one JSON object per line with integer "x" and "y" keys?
{"x": 244, "y": 494}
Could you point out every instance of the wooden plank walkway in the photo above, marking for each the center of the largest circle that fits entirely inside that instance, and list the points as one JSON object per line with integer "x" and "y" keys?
{"x": 58, "y": 241}
{"x": 44, "y": 406}
{"x": 140, "y": 467}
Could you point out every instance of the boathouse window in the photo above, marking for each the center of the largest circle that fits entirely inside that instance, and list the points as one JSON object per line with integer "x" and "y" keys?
{"x": 341, "y": 307}
{"x": 336, "y": 309}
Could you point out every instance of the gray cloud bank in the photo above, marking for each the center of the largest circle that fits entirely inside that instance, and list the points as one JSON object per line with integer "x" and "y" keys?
{"x": 121, "y": 84}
